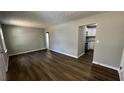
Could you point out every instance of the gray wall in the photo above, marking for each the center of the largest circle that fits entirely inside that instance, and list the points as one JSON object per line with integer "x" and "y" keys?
{"x": 110, "y": 33}
{"x": 23, "y": 39}
{"x": 62, "y": 40}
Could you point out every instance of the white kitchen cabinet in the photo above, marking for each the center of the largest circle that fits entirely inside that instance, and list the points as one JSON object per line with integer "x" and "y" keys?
{"x": 91, "y": 32}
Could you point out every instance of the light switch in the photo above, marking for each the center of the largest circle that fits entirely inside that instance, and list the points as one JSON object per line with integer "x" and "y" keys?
{"x": 97, "y": 41}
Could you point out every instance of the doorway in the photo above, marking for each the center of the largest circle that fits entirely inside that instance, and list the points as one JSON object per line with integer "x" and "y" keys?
{"x": 86, "y": 42}
{"x": 47, "y": 40}
{"x": 90, "y": 38}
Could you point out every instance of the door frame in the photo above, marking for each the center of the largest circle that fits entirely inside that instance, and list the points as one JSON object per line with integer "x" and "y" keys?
{"x": 47, "y": 40}
{"x": 3, "y": 64}
{"x": 95, "y": 38}
{"x": 121, "y": 69}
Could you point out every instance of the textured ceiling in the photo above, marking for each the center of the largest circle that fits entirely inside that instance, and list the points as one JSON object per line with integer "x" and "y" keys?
{"x": 42, "y": 19}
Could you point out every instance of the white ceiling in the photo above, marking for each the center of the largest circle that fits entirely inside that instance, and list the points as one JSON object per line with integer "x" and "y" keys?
{"x": 42, "y": 19}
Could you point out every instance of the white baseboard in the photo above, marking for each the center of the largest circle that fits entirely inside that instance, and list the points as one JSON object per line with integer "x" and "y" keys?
{"x": 27, "y": 51}
{"x": 105, "y": 65}
{"x": 81, "y": 54}
{"x": 63, "y": 53}
{"x": 115, "y": 68}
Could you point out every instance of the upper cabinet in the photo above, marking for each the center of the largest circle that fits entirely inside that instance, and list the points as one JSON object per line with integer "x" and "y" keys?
{"x": 91, "y": 31}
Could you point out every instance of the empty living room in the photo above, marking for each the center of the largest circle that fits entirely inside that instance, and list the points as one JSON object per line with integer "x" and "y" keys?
{"x": 61, "y": 46}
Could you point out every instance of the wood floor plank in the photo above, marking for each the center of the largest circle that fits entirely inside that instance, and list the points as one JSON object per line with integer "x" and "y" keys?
{"x": 51, "y": 66}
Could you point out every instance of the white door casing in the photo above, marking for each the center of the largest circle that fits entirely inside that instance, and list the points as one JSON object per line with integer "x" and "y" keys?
{"x": 3, "y": 66}
{"x": 47, "y": 40}
{"x": 121, "y": 72}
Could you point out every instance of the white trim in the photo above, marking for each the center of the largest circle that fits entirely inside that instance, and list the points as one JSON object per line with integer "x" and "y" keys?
{"x": 63, "y": 53}
{"x": 7, "y": 63}
{"x": 81, "y": 54}
{"x": 105, "y": 65}
{"x": 27, "y": 51}
{"x": 121, "y": 71}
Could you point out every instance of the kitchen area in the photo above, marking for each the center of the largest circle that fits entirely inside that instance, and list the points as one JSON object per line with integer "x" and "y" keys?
{"x": 90, "y": 37}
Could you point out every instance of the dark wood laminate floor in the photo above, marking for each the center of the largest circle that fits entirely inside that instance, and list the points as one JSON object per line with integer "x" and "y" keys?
{"x": 48, "y": 66}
